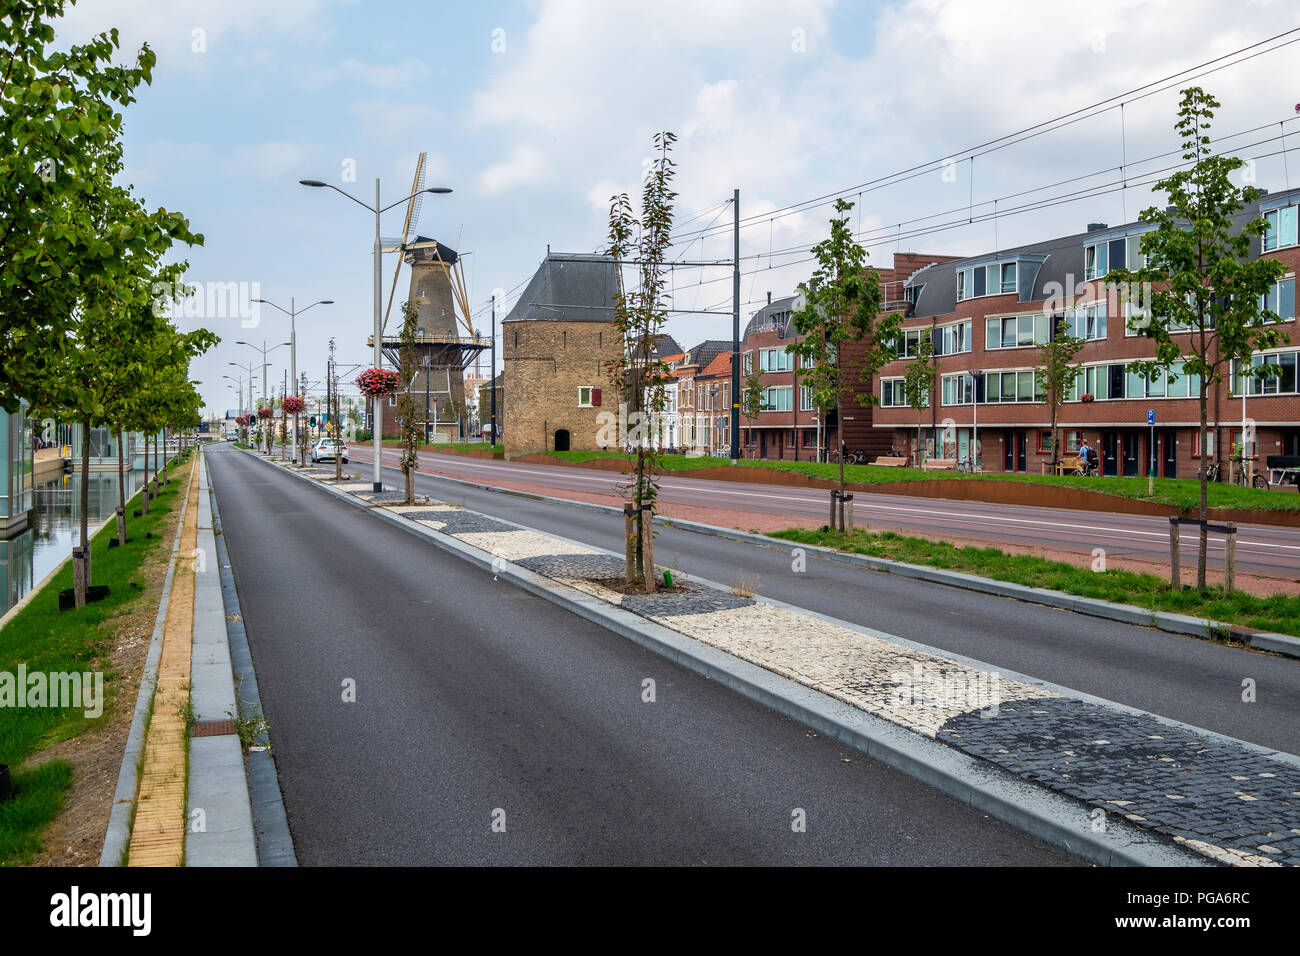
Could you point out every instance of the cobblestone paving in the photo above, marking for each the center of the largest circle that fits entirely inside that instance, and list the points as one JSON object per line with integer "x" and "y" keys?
{"x": 1214, "y": 795}
{"x": 1177, "y": 781}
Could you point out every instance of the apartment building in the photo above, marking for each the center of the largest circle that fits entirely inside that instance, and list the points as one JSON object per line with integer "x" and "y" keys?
{"x": 987, "y": 315}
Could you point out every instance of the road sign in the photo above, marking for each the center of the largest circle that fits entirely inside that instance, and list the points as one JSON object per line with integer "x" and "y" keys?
{"x": 1151, "y": 416}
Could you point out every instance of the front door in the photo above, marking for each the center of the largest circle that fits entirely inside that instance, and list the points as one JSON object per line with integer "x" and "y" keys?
{"x": 562, "y": 439}
{"x": 1110, "y": 453}
{"x": 1014, "y": 449}
{"x": 1169, "y": 452}
{"x": 1130, "y": 448}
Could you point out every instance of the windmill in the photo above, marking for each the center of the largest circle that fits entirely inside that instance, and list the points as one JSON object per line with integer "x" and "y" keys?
{"x": 438, "y": 293}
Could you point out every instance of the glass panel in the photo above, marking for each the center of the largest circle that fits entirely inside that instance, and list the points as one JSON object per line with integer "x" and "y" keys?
{"x": 1286, "y": 231}
{"x": 1009, "y": 277}
{"x": 992, "y": 333}
{"x": 1009, "y": 333}
{"x": 1135, "y": 258}
{"x": 1101, "y": 322}
{"x": 1103, "y": 260}
{"x": 1287, "y": 382}
{"x": 1286, "y": 299}
{"x": 1117, "y": 254}
{"x": 1090, "y": 262}
{"x": 1026, "y": 326}
{"x": 1134, "y": 385}
{"x": 1156, "y": 387}
{"x": 1008, "y": 386}
{"x": 1270, "y": 237}
{"x": 1041, "y": 324}
{"x": 979, "y": 282}
{"x": 1025, "y": 386}
{"x": 961, "y": 286}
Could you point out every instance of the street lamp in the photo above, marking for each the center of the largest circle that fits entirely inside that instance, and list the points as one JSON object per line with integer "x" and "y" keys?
{"x": 292, "y": 313}
{"x": 249, "y": 369}
{"x": 975, "y": 429}
{"x": 265, "y": 364}
{"x": 377, "y": 209}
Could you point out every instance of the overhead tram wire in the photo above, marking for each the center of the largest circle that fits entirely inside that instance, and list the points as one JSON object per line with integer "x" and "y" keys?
{"x": 1049, "y": 125}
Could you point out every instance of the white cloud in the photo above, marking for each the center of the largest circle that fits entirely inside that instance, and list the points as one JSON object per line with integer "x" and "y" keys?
{"x": 526, "y": 166}
{"x": 385, "y": 120}
{"x": 273, "y": 160}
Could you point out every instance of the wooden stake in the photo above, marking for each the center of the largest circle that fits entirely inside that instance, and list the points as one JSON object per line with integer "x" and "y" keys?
{"x": 1174, "y": 569}
{"x": 648, "y": 547}
{"x": 1230, "y": 560}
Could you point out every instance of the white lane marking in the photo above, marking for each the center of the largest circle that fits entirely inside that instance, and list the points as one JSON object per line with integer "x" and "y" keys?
{"x": 1067, "y": 527}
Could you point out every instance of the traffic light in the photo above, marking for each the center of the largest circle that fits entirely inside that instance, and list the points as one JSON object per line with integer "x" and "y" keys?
{"x": 313, "y": 421}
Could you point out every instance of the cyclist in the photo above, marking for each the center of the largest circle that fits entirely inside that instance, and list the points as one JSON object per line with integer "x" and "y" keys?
{"x": 1087, "y": 459}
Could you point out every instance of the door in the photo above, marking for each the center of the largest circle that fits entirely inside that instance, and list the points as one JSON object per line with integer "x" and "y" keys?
{"x": 1131, "y": 453}
{"x": 1110, "y": 453}
{"x": 1015, "y": 447}
{"x": 562, "y": 439}
{"x": 1169, "y": 454}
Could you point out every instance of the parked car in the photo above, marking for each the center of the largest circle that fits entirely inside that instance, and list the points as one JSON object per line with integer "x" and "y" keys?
{"x": 328, "y": 448}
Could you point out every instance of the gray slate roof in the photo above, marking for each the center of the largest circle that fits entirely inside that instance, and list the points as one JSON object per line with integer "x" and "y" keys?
{"x": 569, "y": 287}
{"x": 764, "y": 315}
{"x": 707, "y": 351}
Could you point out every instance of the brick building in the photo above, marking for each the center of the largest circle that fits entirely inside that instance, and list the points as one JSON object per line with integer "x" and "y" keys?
{"x": 556, "y": 344}
{"x": 986, "y": 314}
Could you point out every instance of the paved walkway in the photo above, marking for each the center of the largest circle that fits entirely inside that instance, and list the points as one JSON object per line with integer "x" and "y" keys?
{"x": 1229, "y": 800}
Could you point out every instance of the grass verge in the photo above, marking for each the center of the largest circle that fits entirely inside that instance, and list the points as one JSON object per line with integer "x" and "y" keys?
{"x": 46, "y": 641}
{"x": 1181, "y": 492}
{"x": 1278, "y": 612}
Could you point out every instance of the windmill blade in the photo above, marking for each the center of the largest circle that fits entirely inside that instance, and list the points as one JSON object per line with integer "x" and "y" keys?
{"x": 411, "y": 207}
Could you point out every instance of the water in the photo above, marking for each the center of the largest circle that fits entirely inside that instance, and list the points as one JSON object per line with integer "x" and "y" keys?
{"x": 53, "y": 527}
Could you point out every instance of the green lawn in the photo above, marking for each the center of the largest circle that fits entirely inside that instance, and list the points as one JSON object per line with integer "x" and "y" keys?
{"x": 453, "y": 445}
{"x": 47, "y": 640}
{"x": 1181, "y": 492}
{"x": 1275, "y": 613}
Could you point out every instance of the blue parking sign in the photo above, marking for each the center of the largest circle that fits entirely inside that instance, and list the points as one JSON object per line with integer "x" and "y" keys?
{"x": 1151, "y": 416}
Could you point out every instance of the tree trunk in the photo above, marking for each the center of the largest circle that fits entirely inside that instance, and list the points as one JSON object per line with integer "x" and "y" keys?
{"x": 121, "y": 488}
{"x": 839, "y": 441}
{"x": 1203, "y": 545}
{"x": 83, "y": 580}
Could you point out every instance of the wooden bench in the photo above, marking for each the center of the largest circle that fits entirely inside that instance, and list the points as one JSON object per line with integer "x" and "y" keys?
{"x": 887, "y": 462}
{"x": 939, "y": 464}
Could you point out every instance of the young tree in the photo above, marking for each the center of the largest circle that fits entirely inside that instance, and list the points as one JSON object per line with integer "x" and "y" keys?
{"x": 411, "y": 430}
{"x": 918, "y": 384}
{"x": 1203, "y": 289}
{"x": 841, "y": 305}
{"x": 1056, "y": 375}
{"x": 639, "y": 318}
{"x": 751, "y": 399}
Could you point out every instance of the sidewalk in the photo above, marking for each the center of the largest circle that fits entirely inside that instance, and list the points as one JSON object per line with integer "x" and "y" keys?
{"x": 1229, "y": 801}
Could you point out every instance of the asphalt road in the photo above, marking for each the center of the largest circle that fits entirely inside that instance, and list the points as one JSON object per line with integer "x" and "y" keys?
{"x": 1198, "y": 682}
{"x": 1261, "y": 549}
{"x": 476, "y": 700}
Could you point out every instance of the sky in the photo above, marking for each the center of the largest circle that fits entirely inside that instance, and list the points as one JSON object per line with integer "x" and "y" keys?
{"x": 536, "y": 113}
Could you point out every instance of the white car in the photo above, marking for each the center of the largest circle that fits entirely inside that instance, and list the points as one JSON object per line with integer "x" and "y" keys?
{"x": 329, "y": 448}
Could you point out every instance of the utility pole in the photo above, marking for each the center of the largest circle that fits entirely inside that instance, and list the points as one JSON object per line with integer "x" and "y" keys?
{"x": 735, "y": 327}
{"x": 492, "y": 372}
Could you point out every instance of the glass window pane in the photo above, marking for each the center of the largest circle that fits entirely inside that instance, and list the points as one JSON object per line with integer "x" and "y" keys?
{"x": 1009, "y": 277}
{"x": 1135, "y": 385}
{"x": 1286, "y": 299}
{"x": 979, "y": 282}
{"x": 992, "y": 333}
{"x": 1117, "y": 255}
{"x": 1135, "y": 258}
{"x": 1008, "y": 386}
{"x": 1286, "y": 230}
{"x": 1103, "y": 260}
{"x": 1270, "y": 237}
{"x": 1009, "y": 333}
{"x": 1026, "y": 330}
{"x": 1025, "y": 386}
{"x": 1041, "y": 325}
{"x": 1287, "y": 382}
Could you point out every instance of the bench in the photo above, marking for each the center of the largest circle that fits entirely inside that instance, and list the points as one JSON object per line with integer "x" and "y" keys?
{"x": 888, "y": 462}
{"x": 939, "y": 464}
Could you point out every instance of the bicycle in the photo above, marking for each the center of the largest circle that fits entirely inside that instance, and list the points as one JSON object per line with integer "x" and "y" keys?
{"x": 1239, "y": 479}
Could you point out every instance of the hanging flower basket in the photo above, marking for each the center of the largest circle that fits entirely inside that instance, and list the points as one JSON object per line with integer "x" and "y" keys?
{"x": 377, "y": 382}
{"x": 292, "y": 404}
{"x": 243, "y": 420}
{"x": 1086, "y": 397}
{"x": 265, "y": 412}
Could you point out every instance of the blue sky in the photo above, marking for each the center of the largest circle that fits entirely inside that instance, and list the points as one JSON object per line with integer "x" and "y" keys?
{"x": 535, "y": 113}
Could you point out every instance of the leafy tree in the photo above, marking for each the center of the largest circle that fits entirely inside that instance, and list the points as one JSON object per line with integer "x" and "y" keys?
{"x": 639, "y": 317}
{"x": 1203, "y": 289}
{"x": 59, "y": 146}
{"x": 1056, "y": 375}
{"x": 841, "y": 309}
{"x": 918, "y": 384}
{"x": 751, "y": 399}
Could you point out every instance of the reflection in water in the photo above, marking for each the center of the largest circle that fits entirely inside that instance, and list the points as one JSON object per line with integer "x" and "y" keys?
{"x": 53, "y": 528}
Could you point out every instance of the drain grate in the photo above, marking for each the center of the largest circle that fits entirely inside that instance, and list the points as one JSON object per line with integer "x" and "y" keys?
{"x": 212, "y": 728}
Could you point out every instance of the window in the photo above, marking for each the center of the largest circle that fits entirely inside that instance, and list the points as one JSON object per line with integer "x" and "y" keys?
{"x": 1282, "y": 228}
{"x": 954, "y": 339}
{"x": 1281, "y": 300}
{"x": 1100, "y": 257}
{"x": 584, "y": 396}
{"x": 777, "y": 399}
{"x": 1280, "y": 384}
{"x": 392, "y": 401}
{"x": 747, "y": 363}
{"x": 775, "y": 360}
{"x": 1196, "y": 442}
{"x": 957, "y": 389}
{"x": 1015, "y": 331}
{"x": 1087, "y": 322}
{"x": 996, "y": 279}
{"x": 910, "y": 344}
{"x": 806, "y": 399}
{"x": 1002, "y": 387}
{"x": 892, "y": 394}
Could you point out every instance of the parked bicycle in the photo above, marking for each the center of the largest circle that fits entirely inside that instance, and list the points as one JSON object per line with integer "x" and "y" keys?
{"x": 1258, "y": 480}
{"x": 850, "y": 458}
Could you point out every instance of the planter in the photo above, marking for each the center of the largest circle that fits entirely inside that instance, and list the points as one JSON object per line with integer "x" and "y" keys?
{"x": 68, "y": 596}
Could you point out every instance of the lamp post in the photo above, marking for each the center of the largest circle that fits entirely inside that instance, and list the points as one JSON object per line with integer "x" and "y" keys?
{"x": 975, "y": 411}
{"x": 265, "y": 364}
{"x": 377, "y": 209}
{"x": 249, "y": 369}
{"x": 292, "y": 312}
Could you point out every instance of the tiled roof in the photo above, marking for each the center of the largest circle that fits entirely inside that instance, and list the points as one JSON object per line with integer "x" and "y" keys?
{"x": 569, "y": 288}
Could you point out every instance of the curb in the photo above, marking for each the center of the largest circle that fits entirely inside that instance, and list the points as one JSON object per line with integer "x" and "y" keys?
{"x": 270, "y": 822}
{"x": 117, "y": 836}
{"x": 1050, "y": 817}
{"x": 1284, "y": 644}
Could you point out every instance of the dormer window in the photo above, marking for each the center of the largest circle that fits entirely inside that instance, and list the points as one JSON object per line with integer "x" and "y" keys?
{"x": 1282, "y": 228}
{"x": 1123, "y": 253}
{"x": 999, "y": 278}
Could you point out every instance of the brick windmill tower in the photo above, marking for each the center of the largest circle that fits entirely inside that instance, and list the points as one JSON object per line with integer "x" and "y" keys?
{"x": 445, "y": 340}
